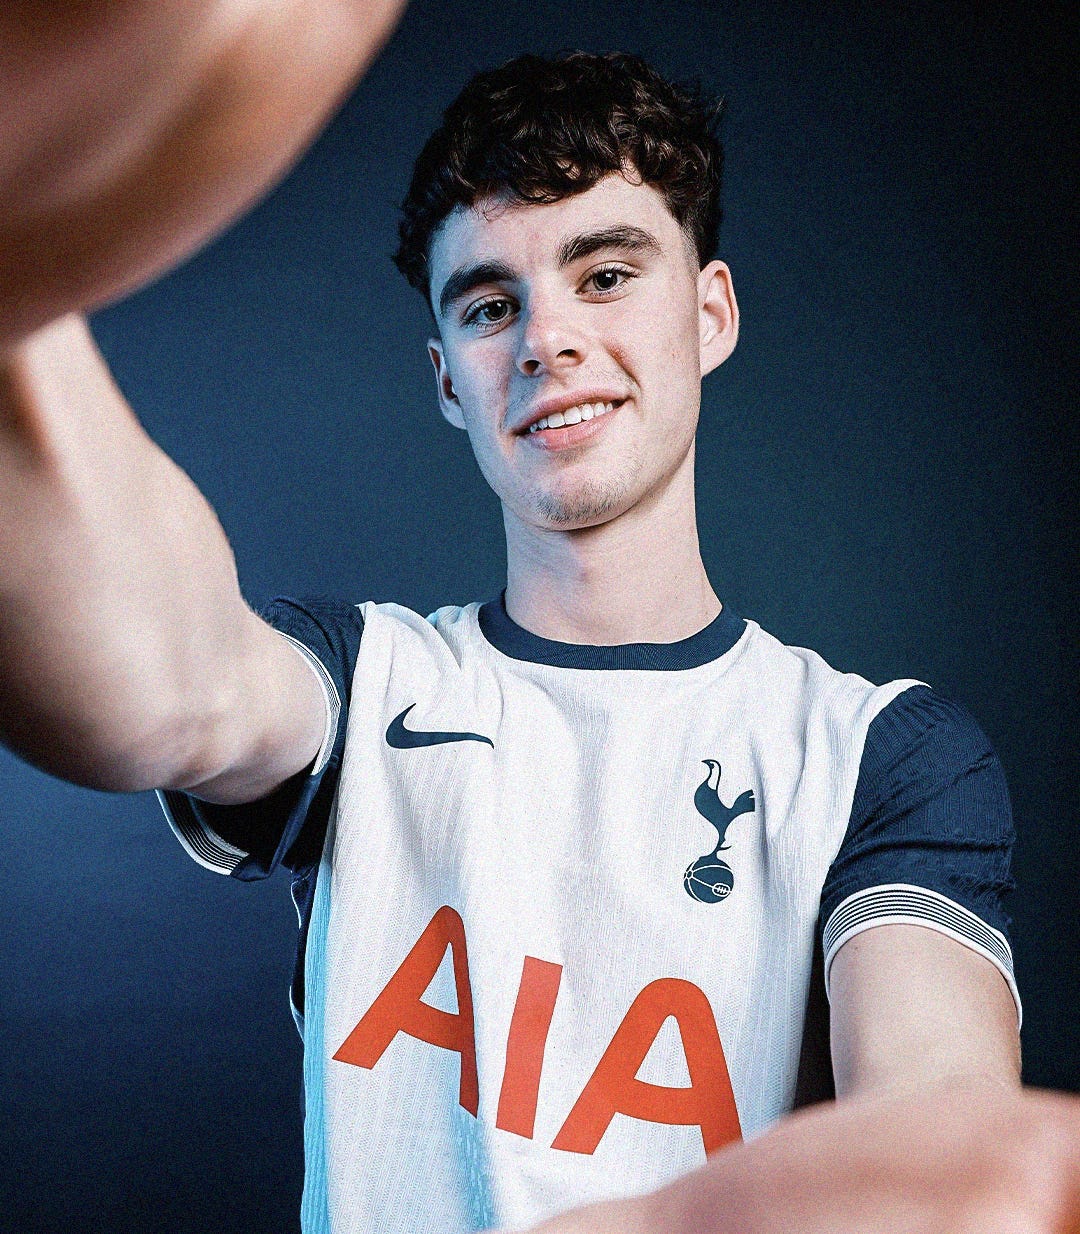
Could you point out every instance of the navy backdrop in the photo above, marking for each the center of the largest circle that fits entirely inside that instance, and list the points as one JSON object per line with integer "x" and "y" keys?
{"x": 884, "y": 468}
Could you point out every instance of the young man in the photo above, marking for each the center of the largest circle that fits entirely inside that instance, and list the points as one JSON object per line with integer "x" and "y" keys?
{"x": 601, "y": 801}
{"x": 560, "y": 858}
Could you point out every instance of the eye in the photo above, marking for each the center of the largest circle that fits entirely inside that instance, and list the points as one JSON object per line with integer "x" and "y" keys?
{"x": 491, "y": 312}
{"x": 606, "y": 279}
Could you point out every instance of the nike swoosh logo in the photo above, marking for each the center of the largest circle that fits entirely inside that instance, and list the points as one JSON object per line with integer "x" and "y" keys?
{"x": 402, "y": 738}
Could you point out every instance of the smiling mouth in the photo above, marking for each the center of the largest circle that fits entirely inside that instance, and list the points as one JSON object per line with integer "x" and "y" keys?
{"x": 573, "y": 415}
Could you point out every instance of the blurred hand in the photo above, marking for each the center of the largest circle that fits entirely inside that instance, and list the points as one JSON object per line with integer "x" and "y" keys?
{"x": 964, "y": 1159}
{"x": 134, "y": 130}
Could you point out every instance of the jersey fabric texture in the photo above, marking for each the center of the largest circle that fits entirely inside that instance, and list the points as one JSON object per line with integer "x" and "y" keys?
{"x": 560, "y": 904}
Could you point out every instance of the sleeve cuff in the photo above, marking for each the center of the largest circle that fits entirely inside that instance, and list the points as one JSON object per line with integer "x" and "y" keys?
{"x": 196, "y": 836}
{"x": 330, "y": 697}
{"x": 903, "y": 904}
{"x": 190, "y": 826}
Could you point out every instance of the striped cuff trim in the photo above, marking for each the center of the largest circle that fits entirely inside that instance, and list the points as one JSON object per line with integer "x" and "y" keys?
{"x": 199, "y": 841}
{"x": 902, "y": 904}
{"x": 331, "y": 696}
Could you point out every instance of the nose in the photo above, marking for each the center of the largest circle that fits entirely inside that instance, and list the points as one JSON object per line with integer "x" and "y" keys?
{"x": 550, "y": 339}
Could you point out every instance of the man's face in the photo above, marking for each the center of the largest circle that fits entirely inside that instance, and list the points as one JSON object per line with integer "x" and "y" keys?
{"x": 590, "y": 309}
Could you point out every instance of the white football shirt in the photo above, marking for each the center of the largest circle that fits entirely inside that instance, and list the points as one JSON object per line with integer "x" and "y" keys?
{"x": 560, "y": 903}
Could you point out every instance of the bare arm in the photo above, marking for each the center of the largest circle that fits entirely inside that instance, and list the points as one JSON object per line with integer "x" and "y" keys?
{"x": 965, "y": 1158}
{"x": 911, "y": 1007}
{"x": 133, "y": 130}
{"x": 932, "y": 1131}
{"x": 129, "y": 659}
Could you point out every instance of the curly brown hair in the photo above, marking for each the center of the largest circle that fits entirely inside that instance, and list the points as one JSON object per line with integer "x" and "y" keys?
{"x": 540, "y": 129}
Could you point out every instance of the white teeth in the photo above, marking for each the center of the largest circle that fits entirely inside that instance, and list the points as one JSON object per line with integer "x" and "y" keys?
{"x": 573, "y": 415}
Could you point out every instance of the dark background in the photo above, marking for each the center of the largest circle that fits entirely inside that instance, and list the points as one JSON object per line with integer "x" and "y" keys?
{"x": 884, "y": 468}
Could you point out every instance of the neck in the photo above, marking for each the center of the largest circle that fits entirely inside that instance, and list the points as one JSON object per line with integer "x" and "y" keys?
{"x": 637, "y": 578}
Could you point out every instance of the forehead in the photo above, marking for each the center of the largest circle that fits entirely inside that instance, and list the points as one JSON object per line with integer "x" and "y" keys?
{"x": 527, "y": 234}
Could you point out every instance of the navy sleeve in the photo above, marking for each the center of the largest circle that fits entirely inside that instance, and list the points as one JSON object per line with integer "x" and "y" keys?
{"x": 287, "y": 828}
{"x": 930, "y": 836}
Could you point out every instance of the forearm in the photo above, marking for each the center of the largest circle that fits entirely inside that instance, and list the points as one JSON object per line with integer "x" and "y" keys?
{"x": 962, "y": 1157}
{"x": 122, "y": 629}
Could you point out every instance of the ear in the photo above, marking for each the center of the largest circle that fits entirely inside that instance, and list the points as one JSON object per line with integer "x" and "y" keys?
{"x": 718, "y": 316}
{"x": 448, "y": 403}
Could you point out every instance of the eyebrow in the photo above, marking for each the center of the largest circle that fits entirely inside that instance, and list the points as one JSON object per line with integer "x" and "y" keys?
{"x": 467, "y": 278}
{"x": 629, "y": 239}
{"x": 625, "y": 237}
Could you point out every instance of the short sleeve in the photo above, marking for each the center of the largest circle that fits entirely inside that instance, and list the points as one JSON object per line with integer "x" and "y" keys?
{"x": 930, "y": 837}
{"x": 287, "y": 828}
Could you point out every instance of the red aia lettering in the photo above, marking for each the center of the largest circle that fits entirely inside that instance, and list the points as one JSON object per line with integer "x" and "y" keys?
{"x": 612, "y": 1089}
{"x": 529, "y": 1026}
{"x": 399, "y": 1009}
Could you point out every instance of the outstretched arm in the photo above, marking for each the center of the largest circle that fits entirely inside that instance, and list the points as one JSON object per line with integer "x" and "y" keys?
{"x": 128, "y": 659}
{"x": 133, "y": 131}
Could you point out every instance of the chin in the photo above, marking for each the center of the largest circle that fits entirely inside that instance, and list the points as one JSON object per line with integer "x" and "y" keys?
{"x": 587, "y": 506}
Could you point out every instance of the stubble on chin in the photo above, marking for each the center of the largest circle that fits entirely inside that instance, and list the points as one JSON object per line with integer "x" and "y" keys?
{"x": 589, "y": 505}
{"x": 586, "y": 504}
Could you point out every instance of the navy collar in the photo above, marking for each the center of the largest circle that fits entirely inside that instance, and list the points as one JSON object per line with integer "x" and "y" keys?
{"x": 512, "y": 640}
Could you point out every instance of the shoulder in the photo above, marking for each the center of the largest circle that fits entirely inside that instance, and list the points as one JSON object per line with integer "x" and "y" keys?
{"x": 396, "y": 636}
{"x": 842, "y": 703}
{"x": 930, "y": 835}
{"x": 923, "y": 746}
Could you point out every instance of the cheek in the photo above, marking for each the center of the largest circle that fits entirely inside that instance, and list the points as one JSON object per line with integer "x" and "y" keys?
{"x": 674, "y": 364}
{"x": 486, "y": 453}
{"x": 481, "y": 382}
{"x": 479, "y": 367}
{"x": 671, "y": 336}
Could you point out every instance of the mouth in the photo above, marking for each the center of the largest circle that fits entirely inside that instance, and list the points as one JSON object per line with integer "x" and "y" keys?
{"x": 560, "y": 430}
{"x": 578, "y": 414}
